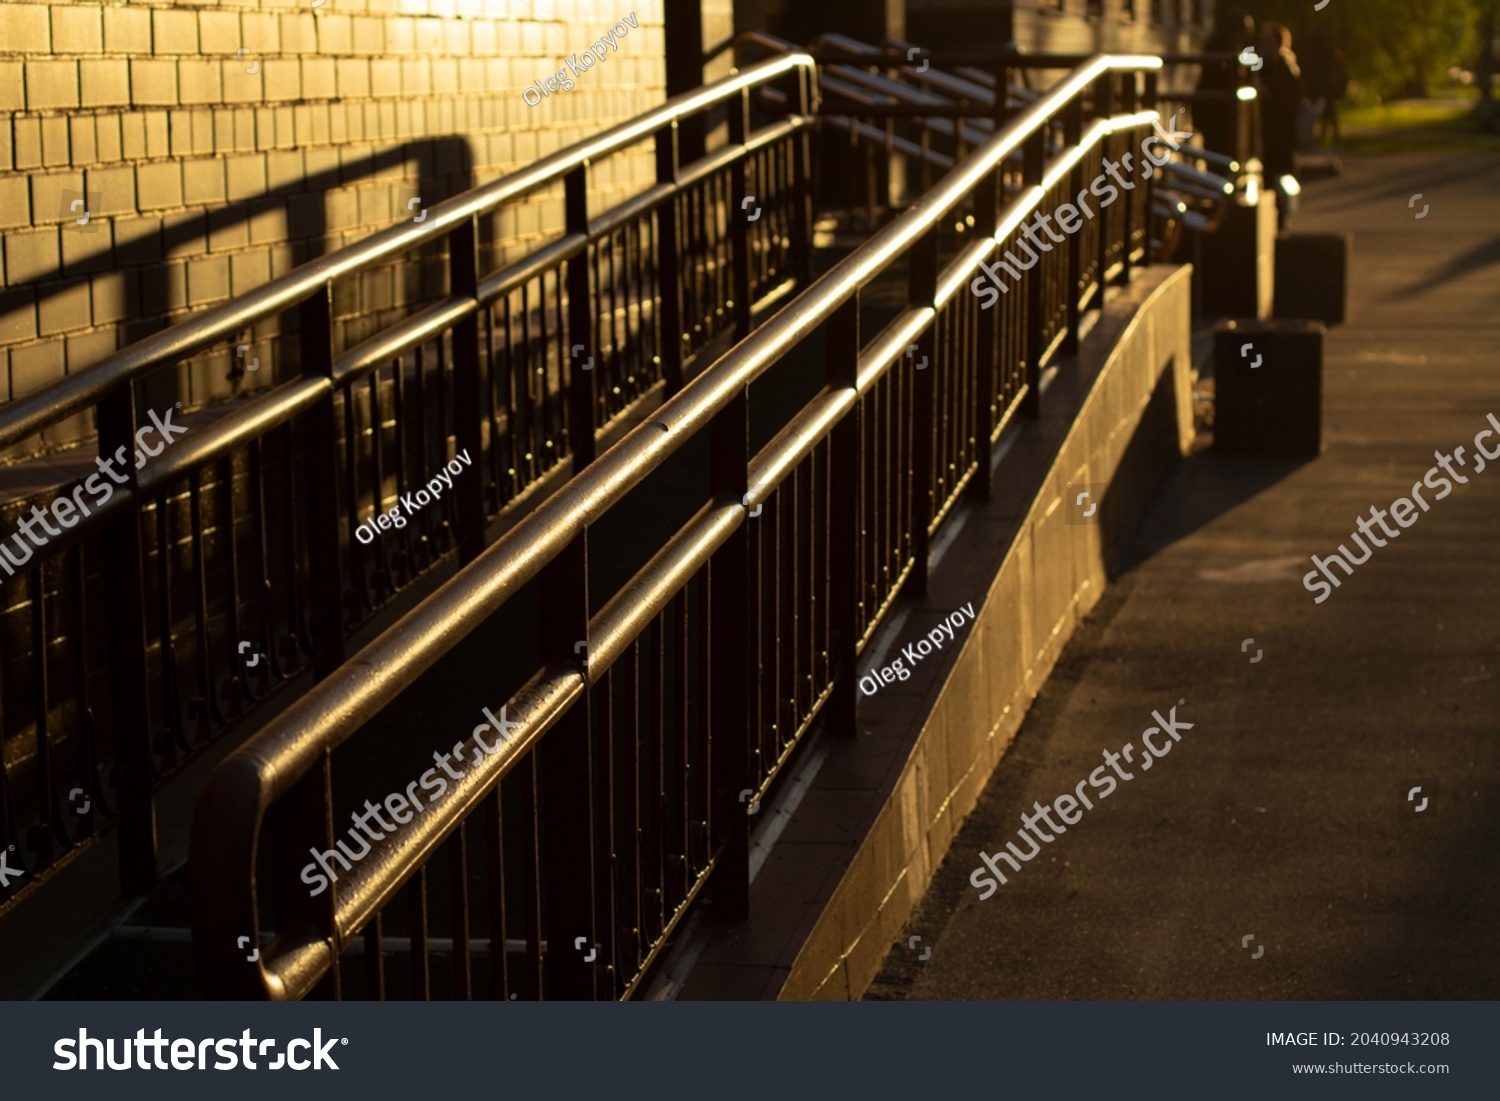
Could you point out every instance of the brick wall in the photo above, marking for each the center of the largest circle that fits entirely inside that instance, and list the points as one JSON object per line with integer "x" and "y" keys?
{"x": 214, "y": 147}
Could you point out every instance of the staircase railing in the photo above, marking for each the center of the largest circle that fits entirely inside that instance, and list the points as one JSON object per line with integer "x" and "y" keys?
{"x": 600, "y": 798}
{"x": 239, "y": 560}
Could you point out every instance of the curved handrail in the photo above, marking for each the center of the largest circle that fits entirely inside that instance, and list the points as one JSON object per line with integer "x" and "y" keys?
{"x": 27, "y": 415}
{"x": 232, "y": 808}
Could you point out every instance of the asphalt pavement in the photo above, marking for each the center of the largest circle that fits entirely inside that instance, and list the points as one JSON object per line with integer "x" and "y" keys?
{"x": 1277, "y": 850}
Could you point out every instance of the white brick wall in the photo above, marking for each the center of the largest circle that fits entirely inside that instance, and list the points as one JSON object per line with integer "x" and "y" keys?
{"x": 203, "y": 179}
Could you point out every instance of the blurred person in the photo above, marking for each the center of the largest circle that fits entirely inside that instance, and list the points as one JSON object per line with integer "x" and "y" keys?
{"x": 1327, "y": 83}
{"x": 1215, "y": 119}
{"x": 1280, "y": 108}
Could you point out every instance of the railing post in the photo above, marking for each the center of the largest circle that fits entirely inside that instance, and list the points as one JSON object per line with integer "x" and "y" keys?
{"x": 738, "y": 111}
{"x": 469, "y": 399}
{"x": 1104, "y": 108}
{"x": 581, "y": 404}
{"x": 669, "y": 260}
{"x": 1035, "y": 153}
{"x": 1000, "y": 109}
{"x": 986, "y": 381}
{"x": 733, "y": 664}
{"x": 125, "y": 603}
{"x": 320, "y": 457}
{"x": 922, "y": 291}
{"x": 1073, "y": 133}
{"x": 846, "y": 491}
{"x": 571, "y": 865}
{"x": 304, "y": 815}
{"x": 802, "y": 171}
{"x": 1150, "y": 103}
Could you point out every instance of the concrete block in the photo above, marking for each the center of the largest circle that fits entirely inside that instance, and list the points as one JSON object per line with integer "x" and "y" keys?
{"x": 84, "y": 248}
{"x": 82, "y": 148}
{"x": 12, "y": 86}
{"x": 64, "y": 307}
{"x": 1237, "y": 262}
{"x": 198, "y": 82}
{"x": 261, "y": 33}
{"x": 1269, "y": 380}
{"x": 107, "y": 138}
{"x": 28, "y": 150}
{"x": 1312, "y": 276}
{"x": 299, "y": 34}
{"x": 207, "y": 279}
{"x": 32, "y": 255}
{"x": 49, "y": 201}
{"x": 137, "y": 241}
{"x": 158, "y": 134}
{"x": 110, "y": 190}
{"x": 25, "y": 28}
{"x": 35, "y": 366}
{"x": 86, "y": 349}
{"x": 283, "y": 79}
{"x": 51, "y": 85}
{"x": 174, "y": 32}
{"x": 353, "y": 78}
{"x": 56, "y": 144}
{"x": 240, "y": 86}
{"x": 114, "y": 297}
{"x": 159, "y": 185}
{"x": 153, "y": 83}
{"x": 203, "y": 181}
{"x": 17, "y": 314}
{"x": 248, "y": 270}
{"x": 369, "y": 35}
{"x": 335, "y": 34}
{"x": 104, "y": 83}
{"x": 77, "y": 29}
{"x": 127, "y": 30}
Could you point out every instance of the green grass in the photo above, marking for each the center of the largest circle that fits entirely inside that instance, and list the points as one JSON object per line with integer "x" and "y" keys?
{"x": 1441, "y": 124}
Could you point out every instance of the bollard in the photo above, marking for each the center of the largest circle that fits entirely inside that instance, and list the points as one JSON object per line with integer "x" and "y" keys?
{"x": 1237, "y": 262}
{"x": 1268, "y": 377}
{"x": 1312, "y": 276}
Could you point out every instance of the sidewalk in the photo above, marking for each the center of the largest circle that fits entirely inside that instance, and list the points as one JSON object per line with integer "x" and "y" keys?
{"x": 1282, "y": 814}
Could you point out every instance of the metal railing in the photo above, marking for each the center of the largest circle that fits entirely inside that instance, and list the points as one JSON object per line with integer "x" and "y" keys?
{"x": 619, "y": 797}
{"x": 229, "y": 564}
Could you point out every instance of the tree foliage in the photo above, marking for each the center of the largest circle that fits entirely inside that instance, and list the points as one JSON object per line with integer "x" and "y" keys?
{"x": 1392, "y": 47}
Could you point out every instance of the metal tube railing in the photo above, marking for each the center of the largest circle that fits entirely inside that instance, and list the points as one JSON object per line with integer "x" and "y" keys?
{"x": 292, "y": 586}
{"x": 708, "y": 570}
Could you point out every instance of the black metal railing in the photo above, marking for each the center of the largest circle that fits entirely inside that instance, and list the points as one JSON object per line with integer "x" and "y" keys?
{"x": 230, "y": 564}
{"x": 573, "y": 844}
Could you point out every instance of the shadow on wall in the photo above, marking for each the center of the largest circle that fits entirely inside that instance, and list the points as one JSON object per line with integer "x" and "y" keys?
{"x": 243, "y": 245}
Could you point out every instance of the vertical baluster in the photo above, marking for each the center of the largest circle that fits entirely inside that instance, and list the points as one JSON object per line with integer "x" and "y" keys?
{"x": 922, "y": 291}
{"x": 48, "y": 827}
{"x": 125, "y": 604}
{"x": 567, "y": 777}
{"x": 733, "y": 662}
{"x": 846, "y": 488}
{"x": 1149, "y": 102}
{"x": 421, "y": 971}
{"x": 1031, "y": 176}
{"x": 83, "y": 713}
{"x": 1073, "y": 132}
{"x": 458, "y": 900}
{"x": 581, "y": 406}
{"x": 531, "y": 872}
{"x": 375, "y": 958}
{"x": 468, "y": 390}
{"x": 320, "y": 479}
{"x": 492, "y": 811}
